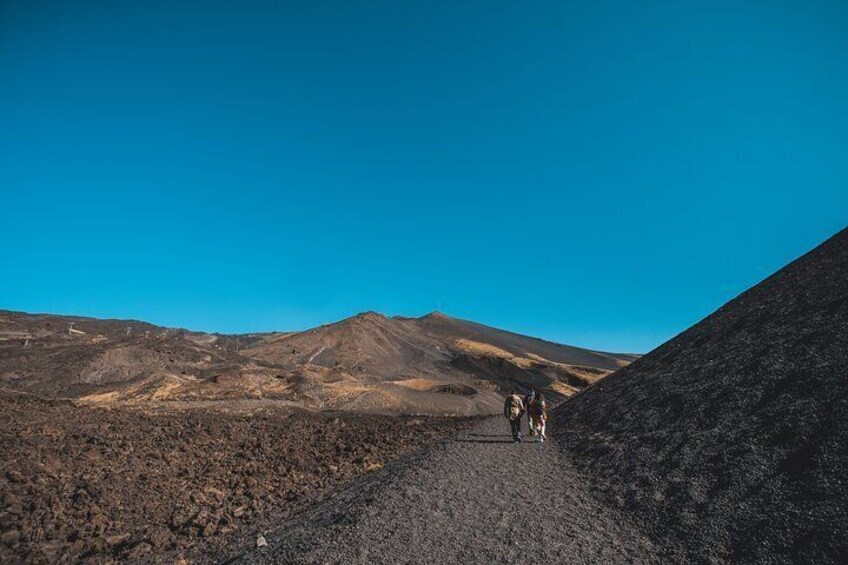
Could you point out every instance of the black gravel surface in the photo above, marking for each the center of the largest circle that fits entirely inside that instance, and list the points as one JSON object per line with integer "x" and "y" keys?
{"x": 730, "y": 441}
{"x": 476, "y": 499}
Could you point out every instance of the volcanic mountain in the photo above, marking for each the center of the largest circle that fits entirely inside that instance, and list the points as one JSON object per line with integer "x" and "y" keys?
{"x": 369, "y": 363}
{"x": 730, "y": 442}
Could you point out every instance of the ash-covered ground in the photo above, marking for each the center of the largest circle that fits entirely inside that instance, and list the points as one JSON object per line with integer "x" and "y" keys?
{"x": 729, "y": 443}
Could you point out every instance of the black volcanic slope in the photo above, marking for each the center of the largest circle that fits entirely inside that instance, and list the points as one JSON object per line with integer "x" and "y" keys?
{"x": 730, "y": 442}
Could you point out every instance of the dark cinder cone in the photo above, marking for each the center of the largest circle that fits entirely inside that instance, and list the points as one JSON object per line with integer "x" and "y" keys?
{"x": 730, "y": 442}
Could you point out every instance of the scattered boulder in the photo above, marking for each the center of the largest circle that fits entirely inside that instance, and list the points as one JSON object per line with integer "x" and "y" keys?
{"x": 113, "y": 541}
{"x": 10, "y": 537}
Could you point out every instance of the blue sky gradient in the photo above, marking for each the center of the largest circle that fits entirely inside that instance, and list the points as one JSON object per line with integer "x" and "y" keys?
{"x": 602, "y": 174}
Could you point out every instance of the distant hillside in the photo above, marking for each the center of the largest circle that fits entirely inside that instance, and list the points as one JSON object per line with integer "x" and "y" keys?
{"x": 369, "y": 363}
{"x": 730, "y": 441}
{"x": 518, "y": 345}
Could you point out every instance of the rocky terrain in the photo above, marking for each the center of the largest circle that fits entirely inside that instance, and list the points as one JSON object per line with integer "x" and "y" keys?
{"x": 122, "y": 440}
{"x": 730, "y": 442}
{"x": 99, "y": 485}
{"x": 479, "y": 498}
{"x": 433, "y": 365}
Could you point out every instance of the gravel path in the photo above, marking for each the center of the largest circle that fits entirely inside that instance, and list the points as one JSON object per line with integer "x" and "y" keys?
{"x": 476, "y": 499}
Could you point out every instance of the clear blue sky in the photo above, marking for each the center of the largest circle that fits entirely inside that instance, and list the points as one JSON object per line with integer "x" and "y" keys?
{"x": 596, "y": 173}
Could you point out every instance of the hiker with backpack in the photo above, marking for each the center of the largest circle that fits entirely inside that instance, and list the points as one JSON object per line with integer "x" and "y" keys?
{"x": 528, "y": 398}
{"x": 513, "y": 411}
{"x": 537, "y": 412}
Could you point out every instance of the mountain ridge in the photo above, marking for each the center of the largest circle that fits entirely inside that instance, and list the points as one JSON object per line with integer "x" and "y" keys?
{"x": 369, "y": 362}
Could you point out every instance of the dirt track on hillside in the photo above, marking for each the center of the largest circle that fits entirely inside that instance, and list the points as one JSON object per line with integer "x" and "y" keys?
{"x": 476, "y": 499}
{"x": 369, "y": 363}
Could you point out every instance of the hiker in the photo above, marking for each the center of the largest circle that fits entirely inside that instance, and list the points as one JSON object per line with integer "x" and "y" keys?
{"x": 537, "y": 412}
{"x": 528, "y": 398}
{"x": 513, "y": 411}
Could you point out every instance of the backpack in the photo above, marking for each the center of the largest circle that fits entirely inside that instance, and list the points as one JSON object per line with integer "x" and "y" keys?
{"x": 514, "y": 405}
{"x": 538, "y": 406}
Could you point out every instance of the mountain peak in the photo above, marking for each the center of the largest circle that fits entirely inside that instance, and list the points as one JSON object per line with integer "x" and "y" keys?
{"x": 370, "y": 315}
{"x": 436, "y": 315}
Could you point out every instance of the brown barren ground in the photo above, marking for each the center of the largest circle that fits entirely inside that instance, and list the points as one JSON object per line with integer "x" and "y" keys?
{"x": 367, "y": 363}
{"x": 98, "y": 485}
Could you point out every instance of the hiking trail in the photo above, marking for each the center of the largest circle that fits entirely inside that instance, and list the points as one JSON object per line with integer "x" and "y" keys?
{"x": 476, "y": 498}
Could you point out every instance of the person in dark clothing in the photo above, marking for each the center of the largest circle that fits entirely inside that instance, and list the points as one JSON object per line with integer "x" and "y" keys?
{"x": 513, "y": 411}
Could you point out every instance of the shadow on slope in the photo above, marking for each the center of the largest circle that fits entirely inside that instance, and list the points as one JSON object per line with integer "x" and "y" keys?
{"x": 730, "y": 442}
